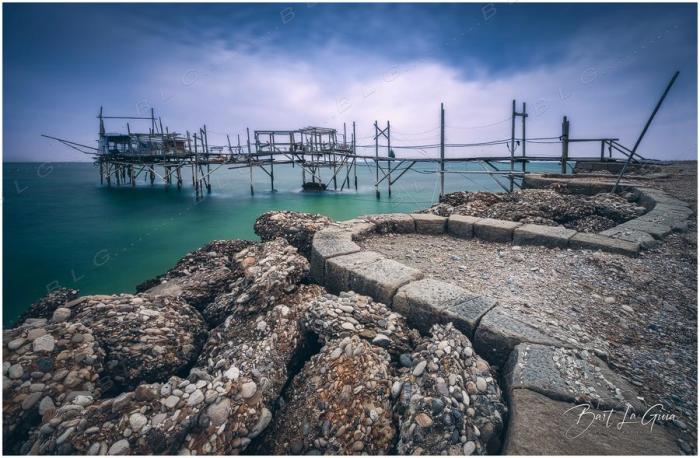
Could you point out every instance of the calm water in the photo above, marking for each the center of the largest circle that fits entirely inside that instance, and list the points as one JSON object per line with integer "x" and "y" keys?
{"x": 62, "y": 228}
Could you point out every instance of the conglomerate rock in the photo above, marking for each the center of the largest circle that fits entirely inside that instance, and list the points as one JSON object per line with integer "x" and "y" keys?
{"x": 247, "y": 361}
{"x": 331, "y": 317}
{"x": 552, "y": 207}
{"x": 295, "y": 227}
{"x": 146, "y": 338}
{"x": 44, "y": 307}
{"x": 448, "y": 400}
{"x": 153, "y": 419}
{"x": 338, "y": 404}
{"x": 199, "y": 276}
{"x": 266, "y": 272}
{"x": 45, "y": 366}
{"x": 225, "y": 402}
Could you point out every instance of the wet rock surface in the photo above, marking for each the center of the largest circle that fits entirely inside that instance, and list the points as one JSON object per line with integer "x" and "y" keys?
{"x": 448, "y": 399}
{"x": 46, "y": 366}
{"x": 264, "y": 274}
{"x": 296, "y": 228}
{"x": 44, "y": 307}
{"x": 201, "y": 275}
{"x": 339, "y": 404}
{"x": 330, "y": 317}
{"x": 550, "y": 207}
{"x": 146, "y": 338}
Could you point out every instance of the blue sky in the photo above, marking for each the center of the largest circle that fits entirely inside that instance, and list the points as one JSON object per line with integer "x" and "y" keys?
{"x": 282, "y": 66}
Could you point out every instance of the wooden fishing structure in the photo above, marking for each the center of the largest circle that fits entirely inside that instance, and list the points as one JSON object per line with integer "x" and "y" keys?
{"x": 325, "y": 157}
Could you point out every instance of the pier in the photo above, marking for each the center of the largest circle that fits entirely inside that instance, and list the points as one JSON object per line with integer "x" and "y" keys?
{"x": 328, "y": 159}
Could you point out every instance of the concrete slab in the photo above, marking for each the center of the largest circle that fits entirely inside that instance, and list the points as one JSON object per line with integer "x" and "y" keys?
{"x": 549, "y": 236}
{"x": 368, "y": 273}
{"x": 642, "y": 238}
{"x": 427, "y": 223}
{"x": 428, "y": 302}
{"x": 541, "y": 426}
{"x": 656, "y": 230}
{"x": 358, "y": 228}
{"x": 583, "y": 240}
{"x": 328, "y": 243}
{"x": 498, "y": 333}
{"x": 569, "y": 375}
{"x": 395, "y": 223}
{"x": 495, "y": 230}
{"x": 461, "y": 226}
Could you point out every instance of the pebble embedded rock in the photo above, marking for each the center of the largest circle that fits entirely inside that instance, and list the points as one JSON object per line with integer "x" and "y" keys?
{"x": 45, "y": 307}
{"x": 296, "y": 228}
{"x": 551, "y": 207}
{"x": 449, "y": 402}
{"x": 338, "y": 406}
{"x": 248, "y": 367}
{"x": 265, "y": 274}
{"x": 200, "y": 276}
{"x": 146, "y": 338}
{"x": 45, "y": 368}
{"x": 349, "y": 313}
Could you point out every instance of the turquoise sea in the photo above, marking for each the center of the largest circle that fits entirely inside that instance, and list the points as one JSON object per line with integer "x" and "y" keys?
{"x": 61, "y": 227}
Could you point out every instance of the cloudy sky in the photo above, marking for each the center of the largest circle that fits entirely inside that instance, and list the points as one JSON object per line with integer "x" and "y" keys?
{"x": 284, "y": 66}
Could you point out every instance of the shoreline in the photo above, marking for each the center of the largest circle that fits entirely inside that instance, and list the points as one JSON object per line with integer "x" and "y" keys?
{"x": 242, "y": 286}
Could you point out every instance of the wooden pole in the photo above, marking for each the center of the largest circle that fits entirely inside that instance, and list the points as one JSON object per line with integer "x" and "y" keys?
{"x": 250, "y": 163}
{"x": 207, "y": 179}
{"x": 512, "y": 147}
{"x": 354, "y": 152}
{"x": 272, "y": 165}
{"x": 376, "y": 158}
{"x": 564, "y": 144}
{"x": 644, "y": 131}
{"x": 442, "y": 150}
{"x": 388, "y": 140}
{"x": 602, "y": 150}
{"x": 524, "y": 116}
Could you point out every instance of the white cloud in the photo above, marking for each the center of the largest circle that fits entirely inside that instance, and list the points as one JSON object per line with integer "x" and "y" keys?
{"x": 602, "y": 97}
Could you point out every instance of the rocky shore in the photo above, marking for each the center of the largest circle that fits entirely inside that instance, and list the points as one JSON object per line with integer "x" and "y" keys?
{"x": 237, "y": 350}
{"x": 556, "y": 206}
{"x": 234, "y": 351}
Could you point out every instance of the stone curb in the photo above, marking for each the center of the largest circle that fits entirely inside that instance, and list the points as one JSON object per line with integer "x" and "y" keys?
{"x": 427, "y": 302}
{"x": 338, "y": 263}
{"x": 534, "y": 388}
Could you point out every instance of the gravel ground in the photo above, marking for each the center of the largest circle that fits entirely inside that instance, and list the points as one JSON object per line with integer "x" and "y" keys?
{"x": 641, "y": 312}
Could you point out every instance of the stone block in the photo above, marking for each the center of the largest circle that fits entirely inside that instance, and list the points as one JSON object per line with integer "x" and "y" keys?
{"x": 539, "y": 425}
{"x": 427, "y": 223}
{"x": 495, "y": 230}
{"x": 642, "y": 238}
{"x": 498, "y": 333}
{"x": 326, "y": 244}
{"x": 461, "y": 226}
{"x": 368, "y": 273}
{"x": 583, "y": 240}
{"x": 569, "y": 375}
{"x": 428, "y": 302}
{"x": 394, "y": 223}
{"x": 536, "y": 234}
{"x": 359, "y": 228}
{"x": 656, "y": 230}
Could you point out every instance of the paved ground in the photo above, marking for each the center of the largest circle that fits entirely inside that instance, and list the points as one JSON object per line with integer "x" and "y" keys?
{"x": 641, "y": 311}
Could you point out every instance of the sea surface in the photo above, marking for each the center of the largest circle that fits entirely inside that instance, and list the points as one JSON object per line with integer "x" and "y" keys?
{"x": 62, "y": 228}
